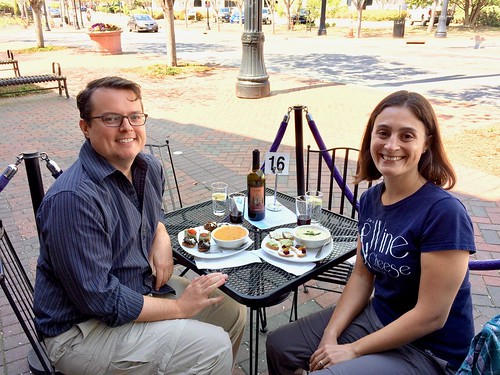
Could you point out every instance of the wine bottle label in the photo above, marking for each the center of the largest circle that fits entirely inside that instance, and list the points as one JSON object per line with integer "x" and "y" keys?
{"x": 257, "y": 199}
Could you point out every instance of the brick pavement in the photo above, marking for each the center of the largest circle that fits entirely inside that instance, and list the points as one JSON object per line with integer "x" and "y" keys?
{"x": 212, "y": 133}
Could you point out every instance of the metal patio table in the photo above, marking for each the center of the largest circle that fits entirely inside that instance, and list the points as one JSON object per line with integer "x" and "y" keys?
{"x": 260, "y": 285}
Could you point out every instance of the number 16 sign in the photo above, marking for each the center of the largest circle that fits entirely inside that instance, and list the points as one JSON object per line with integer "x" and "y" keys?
{"x": 277, "y": 163}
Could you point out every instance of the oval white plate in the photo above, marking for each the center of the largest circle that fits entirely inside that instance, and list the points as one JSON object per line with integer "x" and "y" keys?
{"x": 310, "y": 254}
{"x": 214, "y": 252}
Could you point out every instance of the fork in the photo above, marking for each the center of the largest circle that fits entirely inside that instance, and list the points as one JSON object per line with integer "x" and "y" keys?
{"x": 322, "y": 247}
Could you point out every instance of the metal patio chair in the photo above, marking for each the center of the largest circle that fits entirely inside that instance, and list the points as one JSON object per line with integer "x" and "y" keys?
{"x": 172, "y": 195}
{"x": 336, "y": 184}
{"x": 18, "y": 289}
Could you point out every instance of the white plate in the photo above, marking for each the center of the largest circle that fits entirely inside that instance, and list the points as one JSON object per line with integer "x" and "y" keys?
{"x": 310, "y": 254}
{"x": 215, "y": 251}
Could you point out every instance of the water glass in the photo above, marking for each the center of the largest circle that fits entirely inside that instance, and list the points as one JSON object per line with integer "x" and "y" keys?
{"x": 303, "y": 210}
{"x": 316, "y": 201}
{"x": 219, "y": 198}
{"x": 236, "y": 204}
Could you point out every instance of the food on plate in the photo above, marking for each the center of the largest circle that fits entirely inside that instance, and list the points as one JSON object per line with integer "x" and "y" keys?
{"x": 312, "y": 237}
{"x": 204, "y": 242}
{"x": 190, "y": 237}
{"x": 311, "y": 233}
{"x": 273, "y": 244}
{"x": 276, "y": 235}
{"x": 286, "y": 242}
{"x": 210, "y": 226}
{"x": 230, "y": 233}
{"x": 301, "y": 251}
{"x": 279, "y": 235}
{"x": 286, "y": 252}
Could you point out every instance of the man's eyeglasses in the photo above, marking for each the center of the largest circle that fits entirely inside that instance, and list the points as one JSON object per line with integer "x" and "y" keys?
{"x": 114, "y": 120}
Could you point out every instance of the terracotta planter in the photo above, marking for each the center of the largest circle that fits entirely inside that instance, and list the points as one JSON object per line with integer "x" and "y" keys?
{"x": 107, "y": 42}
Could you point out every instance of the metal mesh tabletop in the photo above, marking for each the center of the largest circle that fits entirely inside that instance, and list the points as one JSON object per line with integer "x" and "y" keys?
{"x": 262, "y": 284}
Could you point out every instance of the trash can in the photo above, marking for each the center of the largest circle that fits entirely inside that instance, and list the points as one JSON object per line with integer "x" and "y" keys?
{"x": 398, "y": 30}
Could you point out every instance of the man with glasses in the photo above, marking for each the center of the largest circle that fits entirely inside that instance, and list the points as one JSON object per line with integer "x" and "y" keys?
{"x": 105, "y": 298}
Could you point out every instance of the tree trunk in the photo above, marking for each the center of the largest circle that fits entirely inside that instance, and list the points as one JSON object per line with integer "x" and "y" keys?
{"x": 36, "y": 6}
{"x": 169, "y": 21}
{"x": 360, "y": 17}
{"x": 430, "y": 26}
{"x": 467, "y": 13}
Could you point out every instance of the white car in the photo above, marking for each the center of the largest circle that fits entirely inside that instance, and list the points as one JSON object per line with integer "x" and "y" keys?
{"x": 266, "y": 16}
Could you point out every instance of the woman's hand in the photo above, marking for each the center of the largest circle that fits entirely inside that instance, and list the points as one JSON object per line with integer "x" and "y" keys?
{"x": 160, "y": 257}
{"x": 331, "y": 354}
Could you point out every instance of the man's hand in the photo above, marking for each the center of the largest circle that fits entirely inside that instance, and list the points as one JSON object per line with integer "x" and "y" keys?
{"x": 196, "y": 296}
{"x": 160, "y": 256}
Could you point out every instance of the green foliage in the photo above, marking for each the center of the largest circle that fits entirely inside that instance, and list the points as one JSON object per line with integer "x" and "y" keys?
{"x": 162, "y": 71}
{"x": 158, "y": 15}
{"x": 314, "y": 7}
{"x": 10, "y": 21}
{"x": 6, "y": 8}
{"x": 21, "y": 90}
{"x": 39, "y": 49}
{"x": 490, "y": 16}
{"x": 372, "y": 14}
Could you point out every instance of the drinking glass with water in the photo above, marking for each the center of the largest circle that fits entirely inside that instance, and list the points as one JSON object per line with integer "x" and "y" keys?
{"x": 219, "y": 198}
{"x": 315, "y": 199}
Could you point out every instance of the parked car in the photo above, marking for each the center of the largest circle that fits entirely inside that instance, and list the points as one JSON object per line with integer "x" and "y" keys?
{"x": 224, "y": 14}
{"x": 423, "y": 15}
{"x": 55, "y": 12}
{"x": 235, "y": 18}
{"x": 266, "y": 16}
{"x": 142, "y": 22}
{"x": 301, "y": 17}
{"x": 191, "y": 15}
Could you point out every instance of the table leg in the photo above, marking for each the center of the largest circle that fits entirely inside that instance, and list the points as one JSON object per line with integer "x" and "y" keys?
{"x": 254, "y": 347}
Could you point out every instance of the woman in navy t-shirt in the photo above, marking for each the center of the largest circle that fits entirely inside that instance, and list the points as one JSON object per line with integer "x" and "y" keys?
{"x": 407, "y": 307}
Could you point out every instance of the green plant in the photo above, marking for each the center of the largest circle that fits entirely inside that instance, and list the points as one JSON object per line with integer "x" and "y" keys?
{"x": 489, "y": 16}
{"x": 100, "y": 27}
{"x": 21, "y": 90}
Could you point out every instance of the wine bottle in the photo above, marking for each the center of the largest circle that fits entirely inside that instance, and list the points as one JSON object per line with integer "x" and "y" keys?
{"x": 256, "y": 184}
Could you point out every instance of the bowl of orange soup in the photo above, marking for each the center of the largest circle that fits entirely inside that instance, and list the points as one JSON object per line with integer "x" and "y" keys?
{"x": 230, "y": 236}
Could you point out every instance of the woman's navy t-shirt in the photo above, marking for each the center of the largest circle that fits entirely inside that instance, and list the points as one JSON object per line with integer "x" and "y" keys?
{"x": 394, "y": 236}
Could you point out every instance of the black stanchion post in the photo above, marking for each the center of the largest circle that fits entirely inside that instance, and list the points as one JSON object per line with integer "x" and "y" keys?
{"x": 32, "y": 163}
{"x": 299, "y": 148}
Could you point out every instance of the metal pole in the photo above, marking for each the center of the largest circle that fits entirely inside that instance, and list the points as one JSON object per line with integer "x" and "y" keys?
{"x": 299, "y": 148}
{"x": 207, "y": 4}
{"x": 253, "y": 80}
{"x": 32, "y": 163}
{"x": 443, "y": 18}
{"x": 322, "y": 24}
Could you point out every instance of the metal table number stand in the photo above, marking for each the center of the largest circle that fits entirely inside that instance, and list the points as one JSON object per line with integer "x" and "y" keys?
{"x": 275, "y": 206}
{"x": 278, "y": 163}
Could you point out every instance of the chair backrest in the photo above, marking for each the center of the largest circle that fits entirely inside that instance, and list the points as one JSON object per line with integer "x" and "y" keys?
{"x": 171, "y": 195}
{"x": 335, "y": 190}
{"x": 18, "y": 289}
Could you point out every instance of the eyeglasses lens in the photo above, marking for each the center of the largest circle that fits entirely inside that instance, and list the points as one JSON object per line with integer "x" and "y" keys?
{"x": 114, "y": 120}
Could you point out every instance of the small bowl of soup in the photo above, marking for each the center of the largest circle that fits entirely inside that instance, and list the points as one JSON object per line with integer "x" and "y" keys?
{"x": 230, "y": 236}
{"x": 311, "y": 236}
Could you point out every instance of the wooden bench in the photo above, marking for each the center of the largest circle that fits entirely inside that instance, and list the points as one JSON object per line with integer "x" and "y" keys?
{"x": 56, "y": 76}
{"x": 11, "y": 61}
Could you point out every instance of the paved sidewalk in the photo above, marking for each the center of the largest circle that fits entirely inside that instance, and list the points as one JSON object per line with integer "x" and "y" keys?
{"x": 212, "y": 134}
